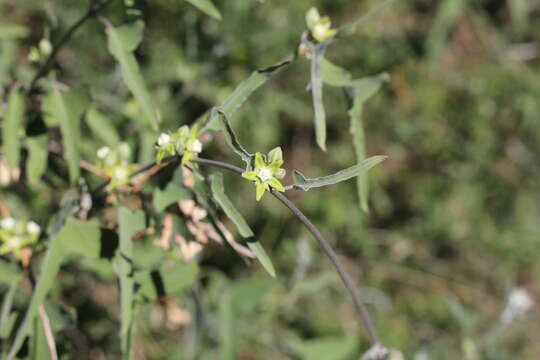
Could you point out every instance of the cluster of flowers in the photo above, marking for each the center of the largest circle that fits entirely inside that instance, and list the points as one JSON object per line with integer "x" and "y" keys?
{"x": 16, "y": 235}
{"x": 183, "y": 142}
{"x": 115, "y": 164}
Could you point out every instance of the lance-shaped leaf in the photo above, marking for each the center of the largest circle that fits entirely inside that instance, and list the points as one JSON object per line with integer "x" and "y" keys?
{"x": 218, "y": 192}
{"x": 334, "y": 75}
{"x": 232, "y": 139}
{"x": 13, "y": 31}
{"x": 7, "y": 318}
{"x": 447, "y": 15}
{"x": 36, "y": 164}
{"x": 65, "y": 109}
{"x": 361, "y": 90}
{"x": 206, "y": 6}
{"x": 129, "y": 222}
{"x": 241, "y": 93}
{"x": 123, "y": 40}
{"x": 317, "y": 53}
{"x": 301, "y": 182}
{"x": 75, "y": 238}
{"x": 101, "y": 127}
{"x": 12, "y": 128}
{"x": 172, "y": 193}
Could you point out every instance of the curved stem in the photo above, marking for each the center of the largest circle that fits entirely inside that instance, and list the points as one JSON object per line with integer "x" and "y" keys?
{"x": 329, "y": 251}
{"x": 92, "y": 11}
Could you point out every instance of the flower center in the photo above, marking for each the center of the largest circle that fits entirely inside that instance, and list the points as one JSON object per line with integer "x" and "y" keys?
{"x": 264, "y": 174}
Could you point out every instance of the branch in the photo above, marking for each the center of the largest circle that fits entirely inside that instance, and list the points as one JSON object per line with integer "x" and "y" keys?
{"x": 92, "y": 11}
{"x": 49, "y": 336}
{"x": 329, "y": 251}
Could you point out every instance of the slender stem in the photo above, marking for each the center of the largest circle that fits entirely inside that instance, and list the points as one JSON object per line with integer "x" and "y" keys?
{"x": 329, "y": 251}
{"x": 92, "y": 11}
{"x": 47, "y": 329}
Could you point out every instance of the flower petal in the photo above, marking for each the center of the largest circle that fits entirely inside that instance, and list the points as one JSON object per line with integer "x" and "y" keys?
{"x": 275, "y": 154}
{"x": 186, "y": 157}
{"x": 276, "y": 184}
{"x": 280, "y": 173}
{"x": 260, "y": 187}
{"x": 259, "y": 161}
{"x": 250, "y": 175}
{"x": 275, "y": 165}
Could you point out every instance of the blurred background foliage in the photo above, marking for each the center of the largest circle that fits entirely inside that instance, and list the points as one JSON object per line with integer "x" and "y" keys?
{"x": 454, "y": 225}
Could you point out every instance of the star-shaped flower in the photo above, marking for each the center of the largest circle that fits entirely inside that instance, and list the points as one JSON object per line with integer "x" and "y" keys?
{"x": 319, "y": 27}
{"x": 15, "y": 235}
{"x": 267, "y": 175}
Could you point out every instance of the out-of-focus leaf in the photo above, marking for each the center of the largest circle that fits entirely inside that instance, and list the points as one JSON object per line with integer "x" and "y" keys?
{"x": 101, "y": 127}
{"x": 173, "y": 192}
{"x": 8, "y": 272}
{"x": 36, "y": 164}
{"x": 241, "y": 93}
{"x": 170, "y": 280}
{"x": 49, "y": 267}
{"x": 339, "y": 348}
{"x": 361, "y": 90}
{"x": 334, "y": 75}
{"x": 8, "y": 53}
{"x": 350, "y": 29}
{"x": 80, "y": 238}
{"x": 227, "y": 344}
{"x": 247, "y": 294}
{"x": 447, "y": 14}
{"x": 301, "y": 182}
{"x": 123, "y": 40}
{"x": 12, "y": 128}
{"x": 207, "y": 7}
{"x": 317, "y": 54}
{"x": 66, "y": 109}
{"x": 38, "y": 343}
{"x": 12, "y": 31}
{"x": 218, "y": 192}
{"x": 7, "y": 318}
{"x": 129, "y": 222}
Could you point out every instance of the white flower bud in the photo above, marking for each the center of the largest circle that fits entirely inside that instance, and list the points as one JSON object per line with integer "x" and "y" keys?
{"x": 264, "y": 174}
{"x": 163, "y": 140}
{"x": 33, "y": 228}
{"x": 13, "y": 242}
{"x": 103, "y": 152}
{"x": 195, "y": 146}
{"x": 8, "y": 223}
{"x": 519, "y": 302}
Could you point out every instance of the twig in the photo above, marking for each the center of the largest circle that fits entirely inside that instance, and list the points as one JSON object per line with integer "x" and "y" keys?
{"x": 48, "y": 332}
{"x": 92, "y": 11}
{"x": 347, "y": 281}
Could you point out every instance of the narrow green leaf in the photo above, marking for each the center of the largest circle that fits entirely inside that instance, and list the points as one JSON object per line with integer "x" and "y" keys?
{"x": 241, "y": 93}
{"x": 36, "y": 164}
{"x": 232, "y": 139}
{"x": 49, "y": 268}
{"x": 129, "y": 222}
{"x": 317, "y": 53}
{"x": 80, "y": 238}
{"x": 447, "y": 15}
{"x": 360, "y": 91}
{"x": 168, "y": 280}
{"x": 301, "y": 182}
{"x": 227, "y": 344}
{"x": 6, "y": 317}
{"x": 334, "y": 75}
{"x": 218, "y": 192}
{"x": 12, "y": 129}
{"x": 66, "y": 109}
{"x": 8, "y": 54}
{"x": 207, "y": 7}
{"x": 101, "y": 127}
{"x": 122, "y": 41}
